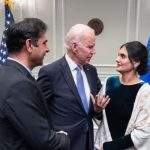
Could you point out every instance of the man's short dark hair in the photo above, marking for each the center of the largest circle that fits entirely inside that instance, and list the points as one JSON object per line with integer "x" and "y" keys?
{"x": 19, "y": 32}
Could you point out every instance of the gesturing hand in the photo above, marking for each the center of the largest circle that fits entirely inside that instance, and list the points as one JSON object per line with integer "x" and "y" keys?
{"x": 62, "y": 132}
{"x": 100, "y": 101}
{"x": 102, "y": 148}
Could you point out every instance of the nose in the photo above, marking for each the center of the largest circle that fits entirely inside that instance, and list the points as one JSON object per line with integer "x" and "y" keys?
{"x": 118, "y": 59}
{"x": 47, "y": 49}
{"x": 93, "y": 51}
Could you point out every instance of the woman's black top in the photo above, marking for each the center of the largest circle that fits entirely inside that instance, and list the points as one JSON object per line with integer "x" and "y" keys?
{"x": 118, "y": 112}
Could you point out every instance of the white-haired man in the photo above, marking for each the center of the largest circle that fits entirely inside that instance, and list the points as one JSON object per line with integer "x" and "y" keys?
{"x": 67, "y": 84}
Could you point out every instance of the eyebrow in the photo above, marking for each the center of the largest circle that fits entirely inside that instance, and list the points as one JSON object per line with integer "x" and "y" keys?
{"x": 45, "y": 41}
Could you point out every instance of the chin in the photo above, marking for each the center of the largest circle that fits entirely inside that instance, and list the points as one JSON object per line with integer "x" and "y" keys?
{"x": 87, "y": 62}
{"x": 39, "y": 64}
{"x": 118, "y": 70}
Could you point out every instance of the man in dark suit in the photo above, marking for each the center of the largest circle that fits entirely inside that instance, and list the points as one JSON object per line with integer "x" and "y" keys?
{"x": 23, "y": 119}
{"x": 64, "y": 93}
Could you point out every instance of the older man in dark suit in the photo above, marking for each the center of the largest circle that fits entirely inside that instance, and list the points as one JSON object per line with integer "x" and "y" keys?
{"x": 67, "y": 84}
{"x": 23, "y": 118}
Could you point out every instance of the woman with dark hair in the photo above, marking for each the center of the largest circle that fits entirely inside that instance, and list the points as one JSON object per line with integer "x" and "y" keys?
{"x": 126, "y": 119}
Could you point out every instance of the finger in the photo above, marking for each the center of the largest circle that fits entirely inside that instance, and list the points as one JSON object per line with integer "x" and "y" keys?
{"x": 104, "y": 99}
{"x": 92, "y": 98}
{"x": 63, "y": 132}
{"x": 106, "y": 103}
{"x": 100, "y": 97}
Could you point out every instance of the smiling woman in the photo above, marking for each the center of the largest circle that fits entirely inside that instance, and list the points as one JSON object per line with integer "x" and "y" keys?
{"x": 127, "y": 115}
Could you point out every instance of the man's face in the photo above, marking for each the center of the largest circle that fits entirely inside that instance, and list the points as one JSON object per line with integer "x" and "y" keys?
{"x": 85, "y": 49}
{"x": 39, "y": 51}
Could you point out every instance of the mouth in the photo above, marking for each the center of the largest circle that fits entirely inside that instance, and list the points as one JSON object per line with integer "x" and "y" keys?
{"x": 44, "y": 55}
{"x": 89, "y": 58}
{"x": 118, "y": 65}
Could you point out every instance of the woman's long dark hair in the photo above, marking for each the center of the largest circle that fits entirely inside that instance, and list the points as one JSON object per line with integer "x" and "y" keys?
{"x": 139, "y": 53}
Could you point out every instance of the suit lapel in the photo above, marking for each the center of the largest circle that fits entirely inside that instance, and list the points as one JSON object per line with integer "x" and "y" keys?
{"x": 19, "y": 67}
{"x": 69, "y": 79}
{"x": 89, "y": 76}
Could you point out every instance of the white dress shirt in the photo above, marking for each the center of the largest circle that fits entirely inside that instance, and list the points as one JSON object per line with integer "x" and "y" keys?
{"x": 73, "y": 66}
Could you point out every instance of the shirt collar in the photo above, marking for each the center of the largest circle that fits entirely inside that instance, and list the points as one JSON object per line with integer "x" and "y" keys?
{"x": 20, "y": 64}
{"x": 71, "y": 63}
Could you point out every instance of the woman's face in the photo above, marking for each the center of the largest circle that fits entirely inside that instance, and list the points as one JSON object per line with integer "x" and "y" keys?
{"x": 123, "y": 64}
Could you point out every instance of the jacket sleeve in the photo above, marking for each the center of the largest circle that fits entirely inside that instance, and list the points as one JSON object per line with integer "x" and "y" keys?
{"x": 121, "y": 143}
{"x": 24, "y": 109}
{"x": 98, "y": 86}
{"x": 45, "y": 84}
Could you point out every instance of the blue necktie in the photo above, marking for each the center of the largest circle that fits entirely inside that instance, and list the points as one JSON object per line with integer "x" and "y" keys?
{"x": 81, "y": 89}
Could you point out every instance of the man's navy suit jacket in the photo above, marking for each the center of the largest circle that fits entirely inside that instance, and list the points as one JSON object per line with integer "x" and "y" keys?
{"x": 23, "y": 119}
{"x": 66, "y": 110}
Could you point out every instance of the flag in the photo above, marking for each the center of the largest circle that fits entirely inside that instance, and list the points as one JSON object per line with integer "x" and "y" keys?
{"x": 9, "y": 19}
{"x": 146, "y": 77}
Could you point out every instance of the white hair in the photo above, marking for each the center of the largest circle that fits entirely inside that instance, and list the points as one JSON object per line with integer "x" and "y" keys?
{"x": 76, "y": 33}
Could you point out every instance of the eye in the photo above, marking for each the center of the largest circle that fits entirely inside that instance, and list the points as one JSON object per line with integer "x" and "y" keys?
{"x": 122, "y": 55}
{"x": 90, "y": 46}
{"x": 45, "y": 42}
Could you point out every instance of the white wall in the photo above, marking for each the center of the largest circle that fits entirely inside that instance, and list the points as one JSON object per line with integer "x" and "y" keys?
{"x": 124, "y": 20}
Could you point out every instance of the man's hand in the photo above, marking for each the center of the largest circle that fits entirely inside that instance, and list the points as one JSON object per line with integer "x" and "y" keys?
{"x": 63, "y": 132}
{"x": 100, "y": 101}
{"x": 102, "y": 148}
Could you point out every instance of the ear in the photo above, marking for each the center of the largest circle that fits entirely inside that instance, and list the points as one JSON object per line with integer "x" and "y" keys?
{"x": 136, "y": 64}
{"x": 29, "y": 46}
{"x": 74, "y": 46}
